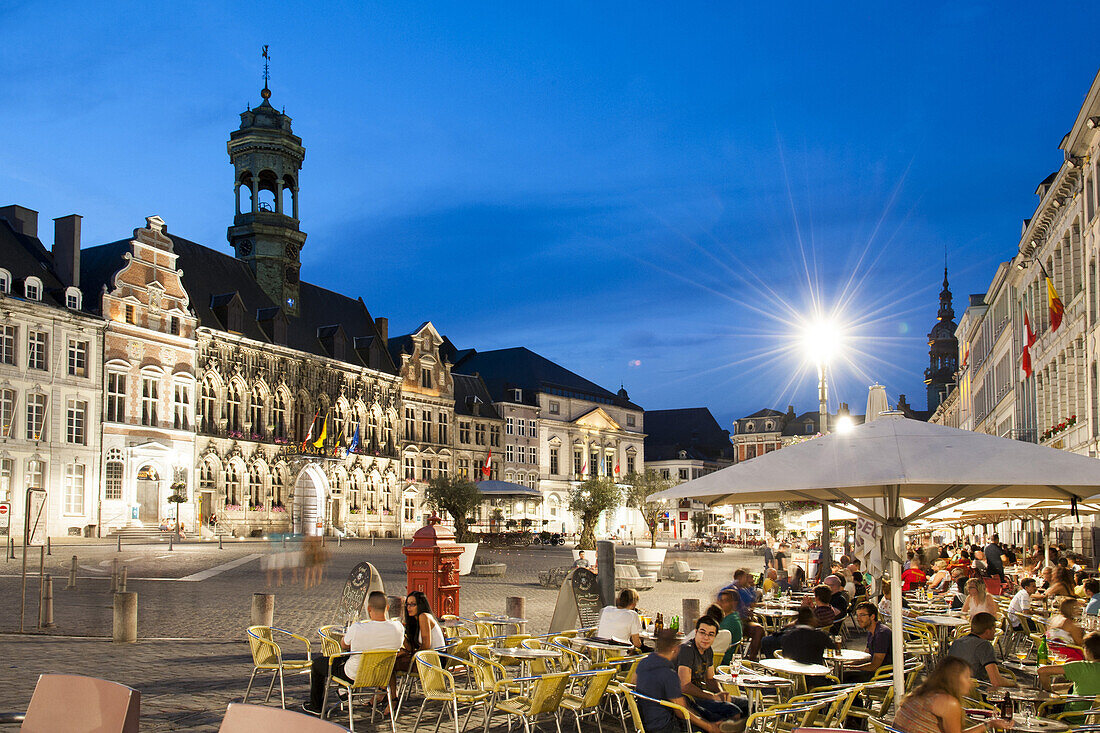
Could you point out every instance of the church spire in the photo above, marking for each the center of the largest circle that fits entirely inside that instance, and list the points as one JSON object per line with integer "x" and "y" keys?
{"x": 947, "y": 313}
{"x": 943, "y": 350}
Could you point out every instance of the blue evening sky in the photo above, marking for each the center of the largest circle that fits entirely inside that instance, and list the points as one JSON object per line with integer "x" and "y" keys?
{"x": 643, "y": 192}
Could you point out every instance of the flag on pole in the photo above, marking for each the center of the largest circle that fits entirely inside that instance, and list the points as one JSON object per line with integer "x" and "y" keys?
{"x": 354, "y": 443}
{"x": 584, "y": 468}
{"x": 487, "y": 467}
{"x": 324, "y": 432}
{"x": 1055, "y": 305}
{"x": 338, "y": 449}
{"x": 309, "y": 433}
{"x": 1029, "y": 339}
{"x": 616, "y": 468}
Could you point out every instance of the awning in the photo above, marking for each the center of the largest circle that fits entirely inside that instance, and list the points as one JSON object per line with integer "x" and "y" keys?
{"x": 501, "y": 489}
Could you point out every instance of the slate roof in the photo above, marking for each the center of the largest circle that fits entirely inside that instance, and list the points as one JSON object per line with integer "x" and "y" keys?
{"x": 766, "y": 412}
{"x": 212, "y": 277}
{"x": 469, "y": 389}
{"x": 690, "y": 429}
{"x": 24, "y": 256}
{"x": 504, "y": 369}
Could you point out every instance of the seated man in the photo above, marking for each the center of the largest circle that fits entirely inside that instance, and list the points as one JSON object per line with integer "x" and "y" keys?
{"x": 824, "y": 613}
{"x": 1092, "y": 593}
{"x": 803, "y": 642}
{"x": 976, "y": 650}
{"x": 362, "y": 636}
{"x": 879, "y": 644}
{"x": 1021, "y": 602}
{"x": 742, "y": 584}
{"x": 771, "y": 581}
{"x": 1085, "y": 675}
{"x": 914, "y": 577}
{"x": 657, "y": 678}
{"x": 621, "y": 622}
{"x": 695, "y": 667}
{"x": 730, "y": 603}
{"x": 839, "y": 599}
{"x": 581, "y": 561}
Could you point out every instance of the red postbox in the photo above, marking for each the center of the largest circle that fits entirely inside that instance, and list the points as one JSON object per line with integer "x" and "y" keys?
{"x": 431, "y": 563}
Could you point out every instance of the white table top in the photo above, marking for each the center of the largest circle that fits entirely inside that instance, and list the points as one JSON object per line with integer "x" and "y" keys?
{"x": 944, "y": 620}
{"x": 847, "y": 655}
{"x": 525, "y": 653}
{"x": 593, "y": 644}
{"x": 747, "y": 679}
{"x": 789, "y": 666}
{"x": 775, "y": 612}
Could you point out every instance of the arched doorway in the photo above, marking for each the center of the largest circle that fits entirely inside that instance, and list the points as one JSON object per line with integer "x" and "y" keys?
{"x": 310, "y": 489}
{"x": 147, "y": 495}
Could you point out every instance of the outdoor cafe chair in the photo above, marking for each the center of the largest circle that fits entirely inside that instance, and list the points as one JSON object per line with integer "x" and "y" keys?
{"x": 241, "y": 718}
{"x": 330, "y": 640}
{"x": 587, "y": 704}
{"x": 874, "y": 700}
{"x": 878, "y": 725}
{"x": 571, "y": 659}
{"x": 544, "y": 699}
{"x": 267, "y": 656}
{"x": 784, "y": 717}
{"x": 632, "y": 697}
{"x": 840, "y": 700}
{"x": 65, "y": 703}
{"x": 373, "y": 676}
{"x": 617, "y": 689}
{"x": 439, "y": 686}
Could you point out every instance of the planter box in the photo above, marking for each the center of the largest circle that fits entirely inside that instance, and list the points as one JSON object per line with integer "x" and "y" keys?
{"x": 495, "y": 569}
{"x": 466, "y": 559}
{"x": 650, "y": 560}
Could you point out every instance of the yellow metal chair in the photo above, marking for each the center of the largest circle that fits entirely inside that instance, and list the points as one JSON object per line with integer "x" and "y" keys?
{"x": 625, "y": 671}
{"x": 632, "y": 698}
{"x": 543, "y": 700}
{"x": 267, "y": 656}
{"x": 571, "y": 659}
{"x": 588, "y": 704}
{"x": 784, "y": 717}
{"x": 330, "y": 640}
{"x": 439, "y": 686}
{"x": 373, "y": 676}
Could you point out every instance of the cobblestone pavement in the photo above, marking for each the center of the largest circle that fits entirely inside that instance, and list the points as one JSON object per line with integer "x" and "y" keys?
{"x": 193, "y": 661}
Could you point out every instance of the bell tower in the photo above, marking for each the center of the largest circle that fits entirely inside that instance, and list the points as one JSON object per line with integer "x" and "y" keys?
{"x": 943, "y": 351}
{"x": 266, "y": 159}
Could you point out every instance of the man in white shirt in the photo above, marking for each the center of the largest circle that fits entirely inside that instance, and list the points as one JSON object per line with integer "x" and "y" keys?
{"x": 1021, "y": 601}
{"x": 621, "y": 622}
{"x": 362, "y": 636}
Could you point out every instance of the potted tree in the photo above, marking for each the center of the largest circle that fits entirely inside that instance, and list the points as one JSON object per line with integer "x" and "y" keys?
{"x": 459, "y": 498}
{"x": 639, "y": 487}
{"x": 588, "y": 502}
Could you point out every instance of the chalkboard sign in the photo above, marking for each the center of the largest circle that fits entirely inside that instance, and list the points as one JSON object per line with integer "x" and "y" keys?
{"x": 586, "y": 594}
{"x": 362, "y": 581}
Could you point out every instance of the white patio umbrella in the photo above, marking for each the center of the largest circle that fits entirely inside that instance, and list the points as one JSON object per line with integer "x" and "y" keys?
{"x": 891, "y": 458}
{"x": 1045, "y": 511}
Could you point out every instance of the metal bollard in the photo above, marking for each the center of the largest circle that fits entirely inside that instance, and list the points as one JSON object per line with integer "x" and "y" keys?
{"x": 169, "y": 543}
{"x": 11, "y": 548}
{"x": 45, "y": 605}
{"x": 263, "y": 609}
{"x": 122, "y": 580}
{"x": 219, "y": 542}
{"x": 48, "y": 546}
{"x": 119, "y": 544}
{"x": 339, "y": 539}
{"x": 125, "y": 618}
{"x": 72, "y": 575}
{"x": 691, "y": 613}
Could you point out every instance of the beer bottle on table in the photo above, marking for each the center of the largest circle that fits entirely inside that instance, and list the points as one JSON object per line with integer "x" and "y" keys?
{"x": 1042, "y": 655}
{"x": 658, "y": 625}
{"x": 1006, "y": 707}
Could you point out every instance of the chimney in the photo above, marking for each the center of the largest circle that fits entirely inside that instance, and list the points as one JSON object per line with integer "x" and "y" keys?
{"x": 22, "y": 220}
{"x": 66, "y": 249}
{"x": 383, "y": 326}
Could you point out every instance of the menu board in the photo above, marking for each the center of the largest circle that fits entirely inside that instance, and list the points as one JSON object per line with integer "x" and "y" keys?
{"x": 586, "y": 594}
{"x": 362, "y": 580}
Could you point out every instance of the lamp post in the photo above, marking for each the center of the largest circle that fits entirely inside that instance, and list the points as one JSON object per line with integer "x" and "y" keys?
{"x": 821, "y": 339}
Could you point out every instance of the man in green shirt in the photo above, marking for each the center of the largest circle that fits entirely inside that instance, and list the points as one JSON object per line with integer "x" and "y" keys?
{"x": 730, "y": 603}
{"x": 1085, "y": 675}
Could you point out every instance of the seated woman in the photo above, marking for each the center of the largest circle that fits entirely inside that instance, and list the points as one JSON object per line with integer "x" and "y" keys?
{"x": 1062, "y": 583}
{"x": 1064, "y": 630}
{"x": 422, "y": 630}
{"x": 941, "y": 577}
{"x": 936, "y": 706}
{"x": 978, "y": 600}
{"x": 1084, "y": 674}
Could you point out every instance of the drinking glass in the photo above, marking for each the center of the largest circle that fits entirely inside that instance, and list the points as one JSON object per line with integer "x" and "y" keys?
{"x": 735, "y": 665}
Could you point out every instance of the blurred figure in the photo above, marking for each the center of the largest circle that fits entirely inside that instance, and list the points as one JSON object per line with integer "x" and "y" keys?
{"x": 313, "y": 558}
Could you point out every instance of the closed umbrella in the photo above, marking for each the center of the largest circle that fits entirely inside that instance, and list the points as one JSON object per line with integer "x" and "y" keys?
{"x": 892, "y": 458}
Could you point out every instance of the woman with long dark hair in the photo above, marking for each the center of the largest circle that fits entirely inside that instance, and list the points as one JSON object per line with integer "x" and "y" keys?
{"x": 936, "y": 706}
{"x": 422, "y": 630}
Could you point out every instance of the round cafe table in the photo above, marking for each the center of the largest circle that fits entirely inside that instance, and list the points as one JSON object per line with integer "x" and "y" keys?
{"x": 1035, "y": 724}
{"x": 773, "y": 618}
{"x": 600, "y": 649}
{"x": 796, "y": 669}
{"x": 943, "y": 625}
{"x": 525, "y": 656}
{"x": 839, "y": 657}
{"x": 752, "y": 685}
{"x": 1019, "y": 693}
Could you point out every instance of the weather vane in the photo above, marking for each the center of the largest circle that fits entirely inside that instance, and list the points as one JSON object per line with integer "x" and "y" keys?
{"x": 266, "y": 93}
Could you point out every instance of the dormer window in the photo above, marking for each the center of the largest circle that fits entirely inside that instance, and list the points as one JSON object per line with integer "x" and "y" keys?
{"x": 517, "y": 395}
{"x": 5, "y": 281}
{"x": 32, "y": 288}
{"x": 750, "y": 427}
{"x": 809, "y": 428}
{"x": 72, "y": 299}
{"x": 769, "y": 425}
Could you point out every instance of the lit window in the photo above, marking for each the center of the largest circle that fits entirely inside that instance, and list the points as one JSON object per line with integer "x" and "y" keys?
{"x": 6, "y": 467}
{"x": 181, "y": 406}
{"x": 7, "y": 412}
{"x": 112, "y": 475}
{"x": 74, "y": 488}
{"x": 36, "y": 474}
{"x": 36, "y": 416}
{"x": 116, "y": 397}
{"x": 149, "y": 399}
{"x": 76, "y": 416}
{"x": 78, "y": 358}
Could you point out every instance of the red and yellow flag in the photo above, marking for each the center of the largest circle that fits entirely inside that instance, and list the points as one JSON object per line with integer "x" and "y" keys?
{"x": 1029, "y": 340}
{"x": 1055, "y": 305}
